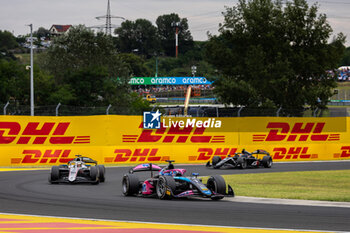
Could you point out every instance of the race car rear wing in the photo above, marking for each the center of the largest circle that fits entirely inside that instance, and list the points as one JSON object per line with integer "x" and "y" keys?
{"x": 261, "y": 152}
{"x": 83, "y": 159}
{"x": 145, "y": 167}
{"x": 88, "y": 160}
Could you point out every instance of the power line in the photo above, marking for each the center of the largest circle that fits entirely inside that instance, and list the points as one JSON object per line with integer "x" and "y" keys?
{"x": 204, "y": 14}
{"x": 337, "y": 3}
{"x": 338, "y": 17}
{"x": 206, "y": 29}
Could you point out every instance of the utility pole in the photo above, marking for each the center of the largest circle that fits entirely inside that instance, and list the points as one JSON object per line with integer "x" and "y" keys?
{"x": 156, "y": 66}
{"x": 177, "y": 26}
{"x": 31, "y": 72}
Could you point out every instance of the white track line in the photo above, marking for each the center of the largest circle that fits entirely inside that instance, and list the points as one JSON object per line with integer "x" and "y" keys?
{"x": 278, "y": 201}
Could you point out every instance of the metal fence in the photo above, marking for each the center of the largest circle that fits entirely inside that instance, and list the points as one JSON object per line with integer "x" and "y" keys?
{"x": 341, "y": 94}
{"x": 218, "y": 111}
{"x": 174, "y": 110}
{"x": 206, "y": 93}
{"x": 65, "y": 110}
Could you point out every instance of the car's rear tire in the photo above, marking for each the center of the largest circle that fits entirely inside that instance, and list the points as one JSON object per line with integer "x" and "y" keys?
{"x": 267, "y": 161}
{"x": 242, "y": 162}
{"x": 102, "y": 171}
{"x": 54, "y": 175}
{"x": 215, "y": 160}
{"x": 130, "y": 184}
{"x": 217, "y": 184}
{"x": 163, "y": 184}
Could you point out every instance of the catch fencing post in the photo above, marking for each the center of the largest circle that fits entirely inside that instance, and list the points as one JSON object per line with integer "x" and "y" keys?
{"x": 278, "y": 112}
{"x": 239, "y": 112}
{"x": 107, "y": 111}
{"x": 57, "y": 107}
{"x": 217, "y": 111}
{"x": 7, "y": 104}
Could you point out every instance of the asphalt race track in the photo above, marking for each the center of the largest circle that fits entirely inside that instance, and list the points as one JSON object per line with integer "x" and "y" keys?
{"x": 28, "y": 192}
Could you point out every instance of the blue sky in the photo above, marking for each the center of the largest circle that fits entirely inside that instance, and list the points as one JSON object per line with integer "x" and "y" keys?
{"x": 203, "y": 15}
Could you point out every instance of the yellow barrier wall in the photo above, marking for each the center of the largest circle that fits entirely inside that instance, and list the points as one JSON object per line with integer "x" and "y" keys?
{"x": 42, "y": 141}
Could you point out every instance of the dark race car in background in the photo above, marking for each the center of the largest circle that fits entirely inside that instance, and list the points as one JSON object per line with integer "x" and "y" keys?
{"x": 258, "y": 158}
{"x": 172, "y": 183}
{"x": 79, "y": 170}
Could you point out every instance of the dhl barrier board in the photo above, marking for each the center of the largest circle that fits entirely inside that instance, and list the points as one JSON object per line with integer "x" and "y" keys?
{"x": 111, "y": 139}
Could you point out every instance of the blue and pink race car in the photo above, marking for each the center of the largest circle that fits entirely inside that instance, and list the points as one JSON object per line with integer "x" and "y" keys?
{"x": 169, "y": 182}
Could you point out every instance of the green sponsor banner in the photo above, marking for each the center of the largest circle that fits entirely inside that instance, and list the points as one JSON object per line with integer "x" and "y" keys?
{"x": 169, "y": 81}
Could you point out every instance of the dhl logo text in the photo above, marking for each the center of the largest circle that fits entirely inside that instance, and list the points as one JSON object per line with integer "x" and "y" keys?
{"x": 137, "y": 155}
{"x": 38, "y": 133}
{"x": 173, "y": 134}
{"x": 345, "y": 152}
{"x": 280, "y": 131}
{"x": 280, "y": 153}
{"x": 206, "y": 154}
{"x": 47, "y": 157}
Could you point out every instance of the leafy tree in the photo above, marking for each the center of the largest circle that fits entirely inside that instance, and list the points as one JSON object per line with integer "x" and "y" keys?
{"x": 63, "y": 94}
{"x": 21, "y": 39}
{"x": 42, "y": 32}
{"x": 135, "y": 64}
{"x": 14, "y": 82}
{"x": 81, "y": 48}
{"x": 87, "y": 86}
{"x": 7, "y": 41}
{"x": 140, "y": 37}
{"x": 345, "y": 61}
{"x": 88, "y": 67}
{"x": 45, "y": 89}
{"x": 274, "y": 55}
{"x": 166, "y": 31}
{"x": 138, "y": 104}
{"x": 15, "y": 85}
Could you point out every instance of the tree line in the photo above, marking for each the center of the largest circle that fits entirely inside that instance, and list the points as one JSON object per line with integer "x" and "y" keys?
{"x": 267, "y": 54}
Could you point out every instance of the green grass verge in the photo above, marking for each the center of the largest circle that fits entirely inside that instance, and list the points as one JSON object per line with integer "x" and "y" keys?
{"x": 313, "y": 185}
{"x": 24, "y": 58}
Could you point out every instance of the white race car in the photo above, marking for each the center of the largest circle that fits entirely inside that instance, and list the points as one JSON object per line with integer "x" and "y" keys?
{"x": 79, "y": 170}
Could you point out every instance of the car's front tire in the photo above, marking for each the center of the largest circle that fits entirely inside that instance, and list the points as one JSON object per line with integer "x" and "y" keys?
{"x": 54, "y": 175}
{"x": 217, "y": 184}
{"x": 215, "y": 160}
